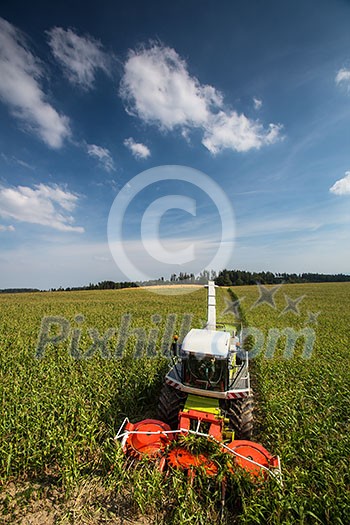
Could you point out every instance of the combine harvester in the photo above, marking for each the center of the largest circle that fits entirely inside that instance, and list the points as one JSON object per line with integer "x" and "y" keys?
{"x": 206, "y": 393}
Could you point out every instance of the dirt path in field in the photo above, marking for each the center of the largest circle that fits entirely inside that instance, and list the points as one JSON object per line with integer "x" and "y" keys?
{"x": 167, "y": 287}
{"x": 33, "y": 503}
{"x": 170, "y": 286}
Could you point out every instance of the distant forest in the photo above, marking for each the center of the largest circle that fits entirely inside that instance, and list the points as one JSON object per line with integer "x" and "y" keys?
{"x": 223, "y": 278}
{"x": 241, "y": 277}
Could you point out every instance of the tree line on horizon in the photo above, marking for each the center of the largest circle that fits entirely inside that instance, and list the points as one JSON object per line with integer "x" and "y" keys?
{"x": 242, "y": 277}
{"x": 223, "y": 278}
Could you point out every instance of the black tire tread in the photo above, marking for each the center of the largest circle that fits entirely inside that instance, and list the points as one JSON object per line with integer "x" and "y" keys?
{"x": 240, "y": 414}
{"x": 171, "y": 401}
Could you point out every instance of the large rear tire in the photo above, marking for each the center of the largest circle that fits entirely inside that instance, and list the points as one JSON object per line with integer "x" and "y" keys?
{"x": 171, "y": 401}
{"x": 240, "y": 414}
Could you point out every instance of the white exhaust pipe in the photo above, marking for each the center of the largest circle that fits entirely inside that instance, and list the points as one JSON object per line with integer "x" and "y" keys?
{"x": 211, "y": 322}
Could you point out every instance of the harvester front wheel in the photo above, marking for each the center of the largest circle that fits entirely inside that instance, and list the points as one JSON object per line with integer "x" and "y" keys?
{"x": 240, "y": 414}
{"x": 171, "y": 401}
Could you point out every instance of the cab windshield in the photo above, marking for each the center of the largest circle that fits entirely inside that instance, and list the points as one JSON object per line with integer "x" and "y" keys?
{"x": 204, "y": 371}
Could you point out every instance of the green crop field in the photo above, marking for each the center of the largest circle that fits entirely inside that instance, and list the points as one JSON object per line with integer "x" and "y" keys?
{"x": 100, "y": 358}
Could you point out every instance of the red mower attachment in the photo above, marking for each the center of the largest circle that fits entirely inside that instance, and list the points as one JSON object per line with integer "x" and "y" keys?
{"x": 180, "y": 457}
{"x": 151, "y": 438}
{"x": 146, "y": 438}
{"x": 253, "y": 457}
{"x": 215, "y": 428}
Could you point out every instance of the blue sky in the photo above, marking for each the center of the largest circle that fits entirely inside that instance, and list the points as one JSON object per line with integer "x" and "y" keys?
{"x": 256, "y": 95}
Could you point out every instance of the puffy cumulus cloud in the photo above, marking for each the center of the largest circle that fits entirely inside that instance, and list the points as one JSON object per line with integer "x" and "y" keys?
{"x": 79, "y": 56}
{"x": 139, "y": 150}
{"x": 21, "y": 90}
{"x": 342, "y": 186}
{"x": 46, "y": 205}
{"x": 343, "y": 75}
{"x": 103, "y": 156}
{"x": 237, "y": 132}
{"x": 157, "y": 88}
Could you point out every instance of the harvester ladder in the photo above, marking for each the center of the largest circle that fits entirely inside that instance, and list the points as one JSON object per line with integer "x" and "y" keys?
{"x": 211, "y": 322}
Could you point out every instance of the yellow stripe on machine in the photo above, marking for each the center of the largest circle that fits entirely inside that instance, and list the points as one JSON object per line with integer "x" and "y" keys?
{"x": 202, "y": 404}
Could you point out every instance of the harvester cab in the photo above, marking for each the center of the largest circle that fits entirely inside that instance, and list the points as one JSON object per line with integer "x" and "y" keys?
{"x": 206, "y": 360}
{"x": 207, "y": 393}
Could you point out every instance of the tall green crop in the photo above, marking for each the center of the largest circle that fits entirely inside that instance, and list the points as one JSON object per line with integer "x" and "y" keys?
{"x": 61, "y": 409}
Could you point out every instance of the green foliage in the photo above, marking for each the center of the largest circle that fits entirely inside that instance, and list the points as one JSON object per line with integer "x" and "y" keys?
{"x": 243, "y": 277}
{"x": 303, "y": 408}
{"x": 60, "y": 414}
{"x": 57, "y": 411}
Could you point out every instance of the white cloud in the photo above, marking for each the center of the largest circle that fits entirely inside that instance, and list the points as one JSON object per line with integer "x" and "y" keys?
{"x": 237, "y": 132}
{"x": 157, "y": 88}
{"x": 7, "y": 228}
{"x": 103, "y": 156}
{"x": 342, "y": 186}
{"x": 21, "y": 90}
{"x": 257, "y": 103}
{"x": 139, "y": 150}
{"x": 46, "y": 205}
{"x": 343, "y": 75}
{"x": 79, "y": 56}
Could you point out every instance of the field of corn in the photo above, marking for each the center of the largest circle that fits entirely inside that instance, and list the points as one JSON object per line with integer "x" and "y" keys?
{"x": 62, "y": 403}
